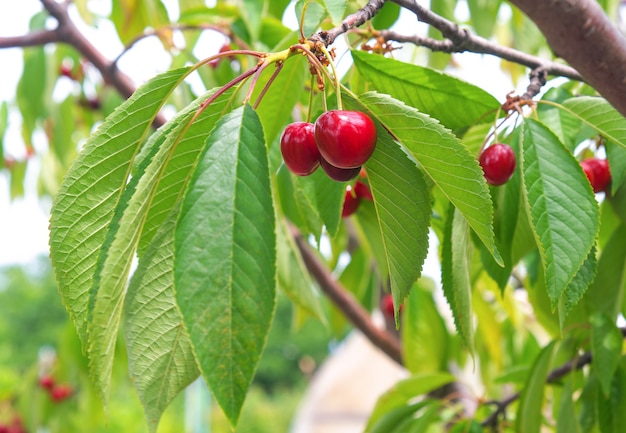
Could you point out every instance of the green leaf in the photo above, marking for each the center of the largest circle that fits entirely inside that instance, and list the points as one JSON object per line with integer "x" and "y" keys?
{"x": 455, "y": 277}
{"x": 402, "y": 202}
{"x": 422, "y": 324}
{"x": 563, "y": 209}
{"x": 395, "y": 419}
{"x": 293, "y": 278}
{"x": 599, "y": 115}
{"x": 484, "y": 15}
{"x": 611, "y": 279}
{"x": 606, "y": 348}
{"x": 4, "y": 122}
{"x": 31, "y": 90}
{"x": 578, "y": 286}
{"x": 453, "y": 102}
{"x": 224, "y": 269}
{"x": 180, "y": 165}
{"x": 85, "y": 206}
{"x": 566, "y": 422}
{"x": 617, "y": 165}
{"x": 336, "y": 9}
{"x": 564, "y": 125}
{"x": 443, "y": 158}
{"x": 314, "y": 13}
{"x": 387, "y": 16}
{"x": 160, "y": 356}
{"x": 612, "y": 409}
{"x": 529, "y": 414}
{"x": 252, "y": 14}
{"x": 402, "y": 393}
{"x": 113, "y": 266}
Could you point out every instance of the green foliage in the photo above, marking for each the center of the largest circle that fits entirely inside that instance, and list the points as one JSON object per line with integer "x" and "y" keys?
{"x": 170, "y": 244}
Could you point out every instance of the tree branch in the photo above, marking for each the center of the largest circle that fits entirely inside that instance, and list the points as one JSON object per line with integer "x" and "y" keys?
{"x": 580, "y": 32}
{"x": 33, "y": 39}
{"x": 346, "y": 302}
{"x": 553, "y": 376}
{"x": 356, "y": 19}
{"x": 461, "y": 40}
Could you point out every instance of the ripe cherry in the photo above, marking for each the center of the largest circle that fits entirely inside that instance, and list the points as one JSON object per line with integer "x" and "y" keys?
{"x": 350, "y": 203}
{"x": 339, "y": 174}
{"x": 598, "y": 173}
{"x": 297, "y": 144}
{"x": 61, "y": 392}
{"x": 223, "y": 49}
{"x": 46, "y": 381}
{"x": 498, "y": 163}
{"x": 346, "y": 139}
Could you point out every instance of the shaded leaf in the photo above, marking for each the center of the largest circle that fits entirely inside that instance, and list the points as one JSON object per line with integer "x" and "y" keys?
{"x": 455, "y": 277}
{"x": 405, "y": 391}
{"x": 529, "y": 415}
{"x": 224, "y": 269}
{"x": 606, "y": 348}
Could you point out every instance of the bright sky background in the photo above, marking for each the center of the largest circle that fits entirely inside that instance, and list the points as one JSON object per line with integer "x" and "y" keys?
{"x": 24, "y": 222}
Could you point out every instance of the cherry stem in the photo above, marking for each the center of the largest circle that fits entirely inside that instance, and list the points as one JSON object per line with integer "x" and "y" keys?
{"x": 308, "y": 114}
{"x": 258, "y": 73}
{"x": 336, "y": 81}
{"x": 223, "y": 89}
{"x": 313, "y": 59}
{"x": 279, "y": 67}
{"x": 306, "y": 5}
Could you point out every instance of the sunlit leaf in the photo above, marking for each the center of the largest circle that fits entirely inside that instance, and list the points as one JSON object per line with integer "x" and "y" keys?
{"x": 562, "y": 206}
{"x": 531, "y": 401}
{"x": 84, "y": 208}
{"x": 442, "y": 158}
{"x": 453, "y": 102}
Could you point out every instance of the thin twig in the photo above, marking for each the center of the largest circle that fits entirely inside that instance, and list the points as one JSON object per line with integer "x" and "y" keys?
{"x": 33, "y": 39}
{"x": 344, "y": 300}
{"x": 553, "y": 376}
{"x": 356, "y": 19}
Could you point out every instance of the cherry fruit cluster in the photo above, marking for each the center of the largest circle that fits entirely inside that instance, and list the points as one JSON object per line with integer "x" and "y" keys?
{"x": 340, "y": 141}
{"x": 354, "y": 195}
{"x": 58, "y": 391}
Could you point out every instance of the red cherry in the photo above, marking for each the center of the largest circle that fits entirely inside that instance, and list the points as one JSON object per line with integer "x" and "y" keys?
{"x": 66, "y": 71}
{"x": 61, "y": 392}
{"x": 46, "y": 381}
{"x": 601, "y": 174}
{"x": 339, "y": 174}
{"x": 346, "y": 139}
{"x": 362, "y": 190}
{"x": 350, "y": 203}
{"x": 498, "y": 163}
{"x": 225, "y": 48}
{"x": 297, "y": 144}
{"x": 386, "y": 305}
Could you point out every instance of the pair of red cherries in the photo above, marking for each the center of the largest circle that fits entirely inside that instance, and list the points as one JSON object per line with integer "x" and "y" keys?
{"x": 340, "y": 141}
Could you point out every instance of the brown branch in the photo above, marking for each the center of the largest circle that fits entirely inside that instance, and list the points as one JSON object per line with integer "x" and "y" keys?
{"x": 350, "y": 307}
{"x": 183, "y": 27}
{"x": 461, "y": 40}
{"x": 356, "y": 19}
{"x": 33, "y": 39}
{"x": 553, "y": 376}
{"x": 580, "y": 32}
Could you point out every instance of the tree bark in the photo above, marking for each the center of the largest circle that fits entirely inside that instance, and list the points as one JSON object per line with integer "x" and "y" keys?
{"x": 580, "y": 32}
